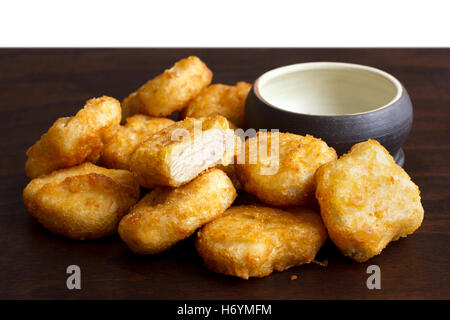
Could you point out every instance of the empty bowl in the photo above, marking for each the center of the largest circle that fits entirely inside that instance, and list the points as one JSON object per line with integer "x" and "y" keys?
{"x": 341, "y": 103}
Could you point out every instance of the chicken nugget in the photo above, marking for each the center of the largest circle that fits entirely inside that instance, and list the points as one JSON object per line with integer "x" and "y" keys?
{"x": 231, "y": 173}
{"x": 81, "y": 202}
{"x": 138, "y": 128}
{"x": 73, "y": 140}
{"x": 253, "y": 241}
{"x": 171, "y": 91}
{"x": 131, "y": 105}
{"x": 282, "y": 176}
{"x": 177, "y": 154}
{"x": 220, "y": 99}
{"x": 367, "y": 200}
{"x": 166, "y": 216}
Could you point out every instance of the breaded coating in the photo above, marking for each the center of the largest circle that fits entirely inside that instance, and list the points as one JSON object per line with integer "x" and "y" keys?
{"x": 165, "y": 215}
{"x": 220, "y": 99}
{"x": 171, "y": 91}
{"x": 81, "y": 202}
{"x": 367, "y": 200}
{"x": 131, "y": 105}
{"x": 73, "y": 140}
{"x": 138, "y": 128}
{"x": 285, "y": 178}
{"x": 253, "y": 241}
{"x": 231, "y": 173}
{"x": 180, "y": 152}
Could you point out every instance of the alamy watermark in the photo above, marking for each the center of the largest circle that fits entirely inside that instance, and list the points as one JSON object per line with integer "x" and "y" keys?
{"x": 263, "y": 147}
{"x": 374, "y": 280}
{"x": 74, "y": 280}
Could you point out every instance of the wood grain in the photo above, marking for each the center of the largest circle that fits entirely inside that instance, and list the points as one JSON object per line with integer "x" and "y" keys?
{"x": 39, "y": 85}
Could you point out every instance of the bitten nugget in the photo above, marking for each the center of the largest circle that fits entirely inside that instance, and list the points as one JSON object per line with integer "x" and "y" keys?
{"x": 253, "y": 241}
{"x": 170, "y": 91}
{"x": 180, "y": 152}
{"x": 166, "y": 216}
{"x": 220, "y": 99}
{"x": 284, "y": 176}
{"x": 367, "y": 200}
{"x": 73, "y": 140}
{"x": 118, "y": 149}
{"x": 81, "y": 202}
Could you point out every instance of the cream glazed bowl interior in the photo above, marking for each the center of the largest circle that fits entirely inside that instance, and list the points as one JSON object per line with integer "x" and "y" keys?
{"x": 341, "y": 103}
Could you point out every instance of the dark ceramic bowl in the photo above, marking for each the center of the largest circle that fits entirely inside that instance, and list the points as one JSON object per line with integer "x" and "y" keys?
{"x": 341, "y": 103}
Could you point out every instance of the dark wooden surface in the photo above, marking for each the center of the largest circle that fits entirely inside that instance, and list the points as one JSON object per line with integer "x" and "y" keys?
{"x": 37, "y": 86}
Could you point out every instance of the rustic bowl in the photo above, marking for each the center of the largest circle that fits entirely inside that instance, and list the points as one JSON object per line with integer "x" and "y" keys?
{"x": 341, "y": 103}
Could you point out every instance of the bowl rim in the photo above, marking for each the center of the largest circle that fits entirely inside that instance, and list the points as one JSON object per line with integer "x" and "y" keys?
{"x": 323, "y": 65}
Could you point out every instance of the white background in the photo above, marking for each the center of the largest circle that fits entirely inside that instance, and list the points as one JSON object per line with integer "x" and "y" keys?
{"x": 243, "y": 23}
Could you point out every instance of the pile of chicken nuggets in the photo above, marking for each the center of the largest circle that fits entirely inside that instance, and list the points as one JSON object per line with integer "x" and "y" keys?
{"x": 124, "y": 168}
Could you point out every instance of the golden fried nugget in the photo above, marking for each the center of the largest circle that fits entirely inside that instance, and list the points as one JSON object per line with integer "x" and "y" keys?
{"x": 177, "y": 154}
{"x": 231, "y": 173}
{"x": 138, "y": 128}
{"x": 367, "y": 200}
{"x": 131, "y": 105}
{"x": 166, "y": 216}
{"x": 73, "y": 140}
{"x": 171, "y": 91}
{"x": 284, "y": 178}
{"x": 253, "y": 241}
{"x": 220, "y": 99}
{"x": 81, "y": 202}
